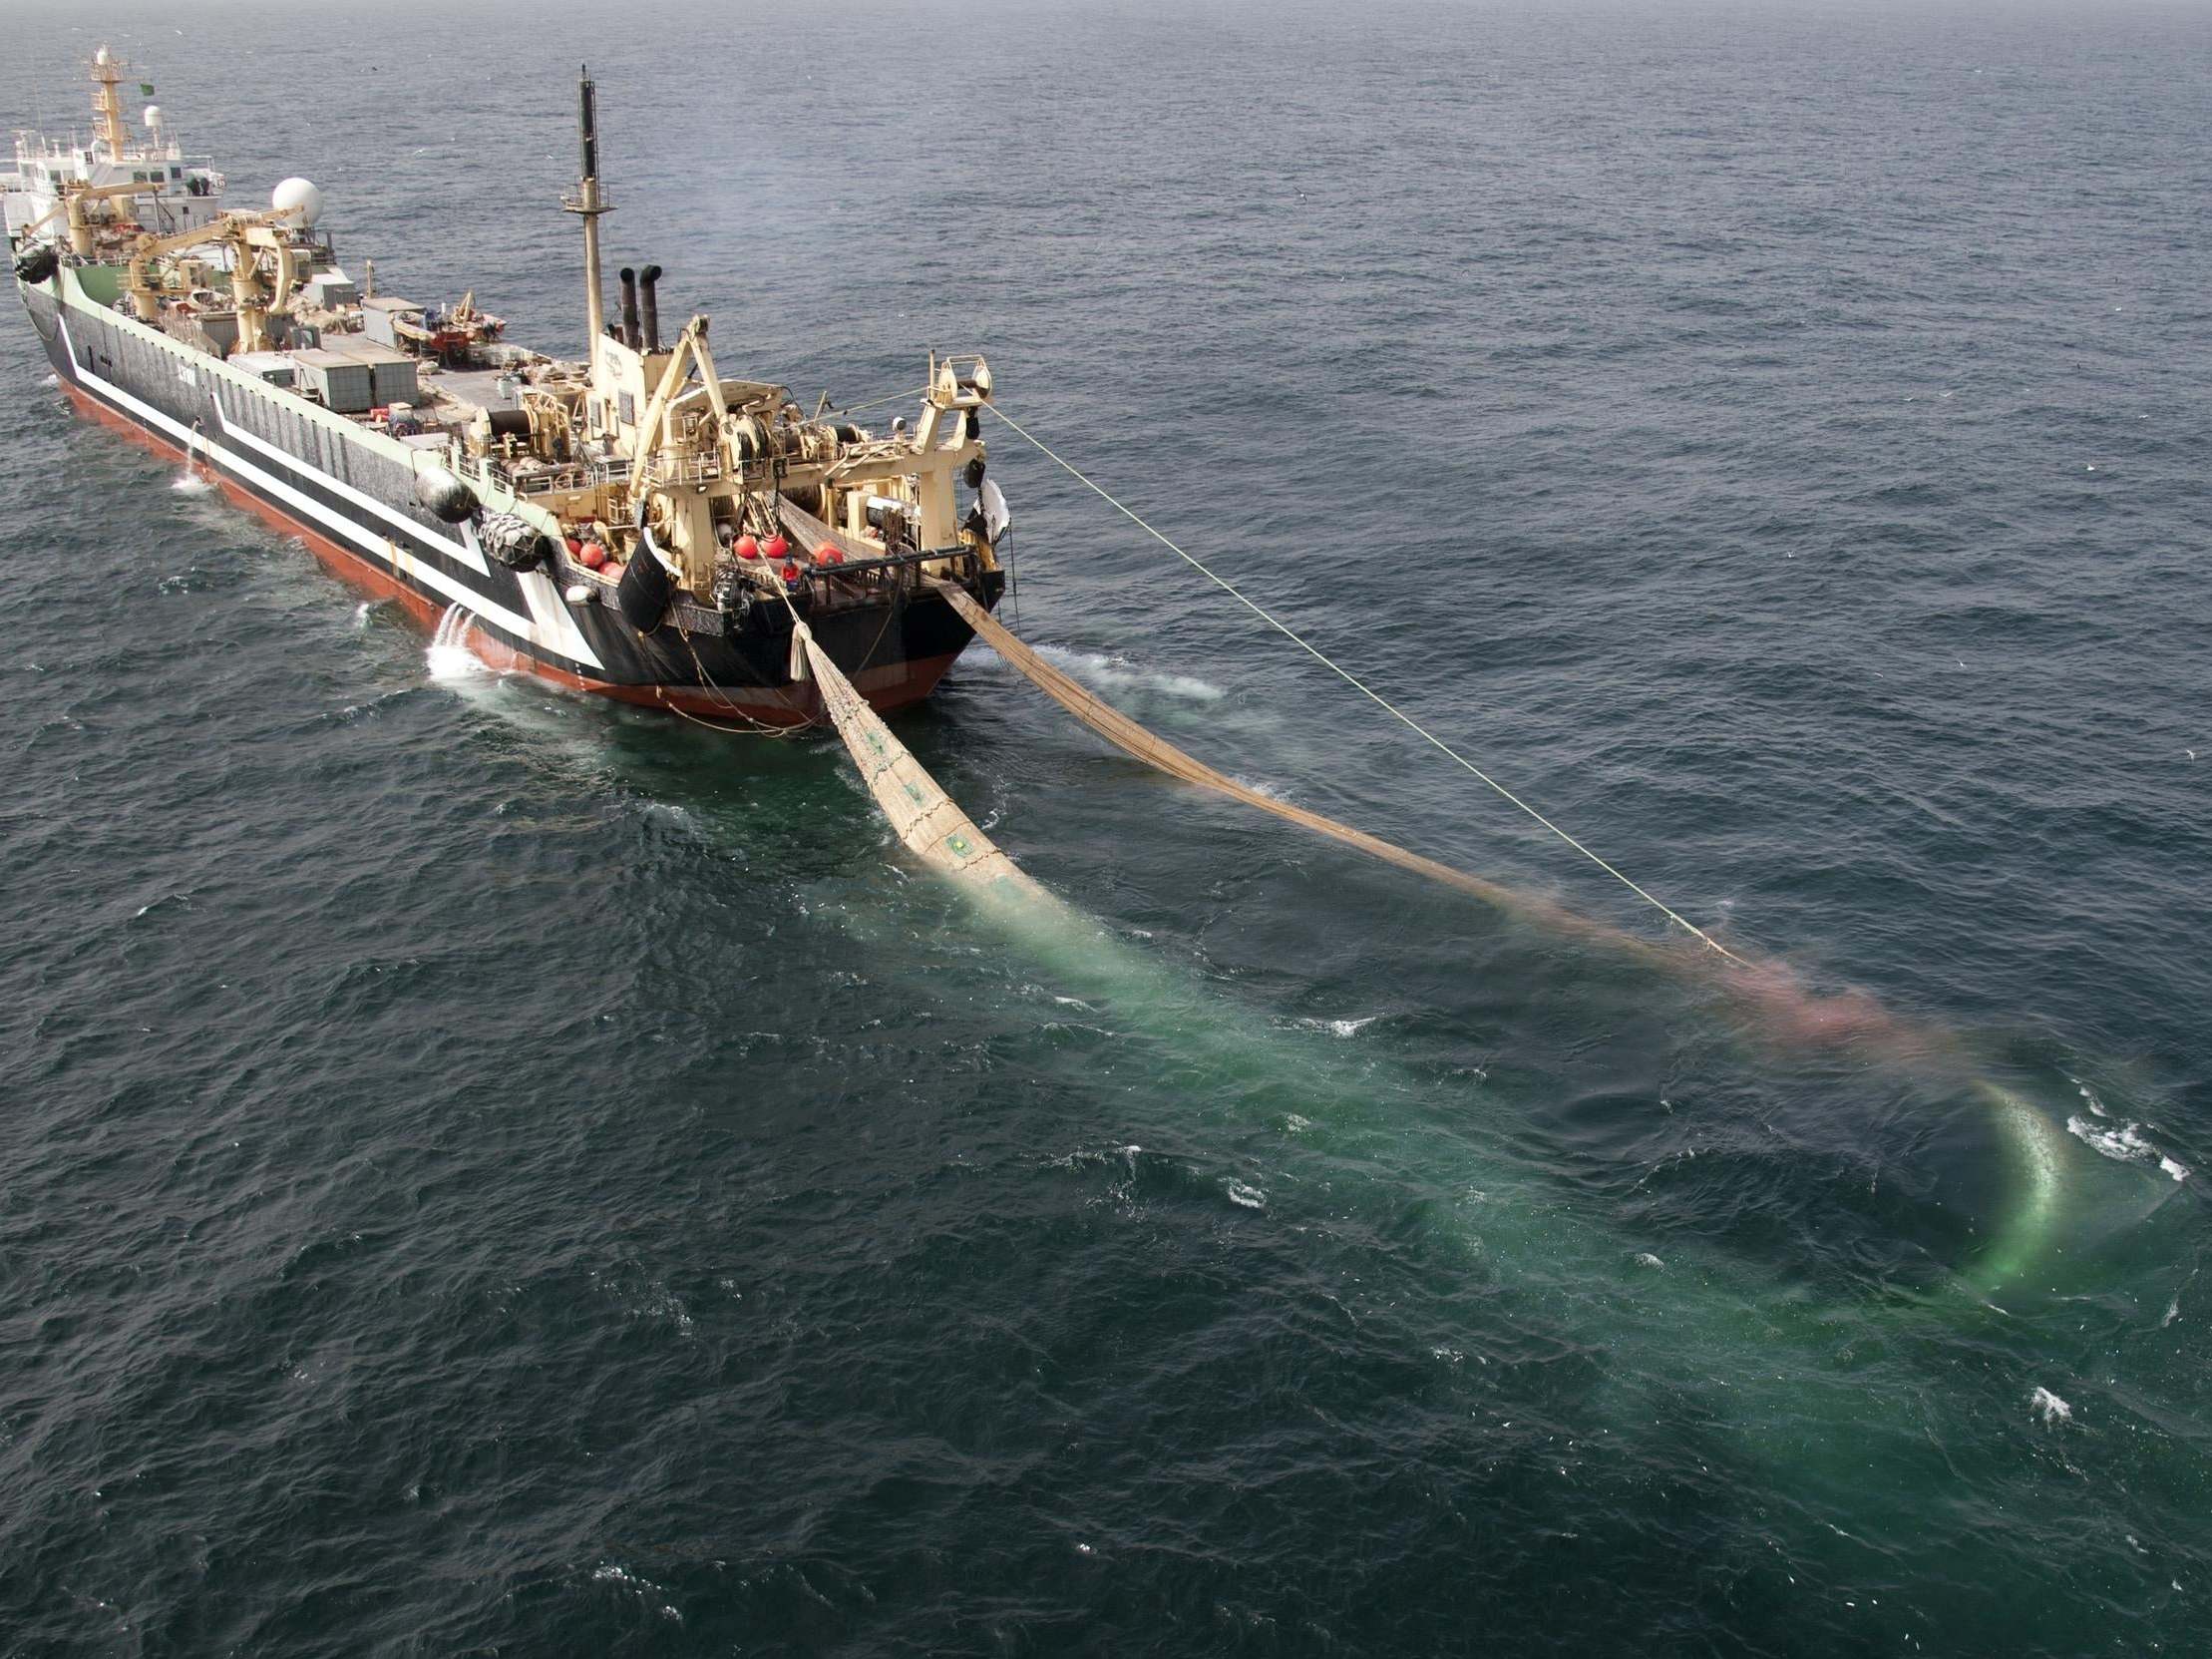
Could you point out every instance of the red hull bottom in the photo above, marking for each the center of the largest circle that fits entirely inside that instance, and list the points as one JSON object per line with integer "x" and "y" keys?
{"x": 888, "y": 688}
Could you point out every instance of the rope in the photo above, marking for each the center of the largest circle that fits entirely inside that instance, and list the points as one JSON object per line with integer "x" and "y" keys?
{"x": 1352, "y": 679}
{"x": 876, "y": 403}
{"x": 753, "y": 726}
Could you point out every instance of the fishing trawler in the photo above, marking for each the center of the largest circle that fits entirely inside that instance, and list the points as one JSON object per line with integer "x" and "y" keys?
{"x": 634, "y": 523}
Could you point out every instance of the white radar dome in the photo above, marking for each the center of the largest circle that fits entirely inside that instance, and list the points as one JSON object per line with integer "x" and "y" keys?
{"x": 153, "y": 115}
{"x": 301, "y": 195}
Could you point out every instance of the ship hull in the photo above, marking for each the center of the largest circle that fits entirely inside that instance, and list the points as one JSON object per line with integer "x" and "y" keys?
{"x": 352, "y": 507}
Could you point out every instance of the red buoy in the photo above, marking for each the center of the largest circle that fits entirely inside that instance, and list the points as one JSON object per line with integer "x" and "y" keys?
{"x": 746, "y": 548}
{"x": 777, "y": 549}
{"x": 590, "y": 556}
{"x": 827, "y": 554}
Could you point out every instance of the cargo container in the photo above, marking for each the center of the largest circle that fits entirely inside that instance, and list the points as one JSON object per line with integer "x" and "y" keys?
{"x": 379, "y": 314}
{"x": 336, "y": 381}
{"x": 272, "y": 366}
{"x": 392, "y": 372}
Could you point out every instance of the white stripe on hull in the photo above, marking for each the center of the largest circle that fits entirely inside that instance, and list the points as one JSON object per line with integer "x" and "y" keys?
{"x": 459, "y": 553}
{"x": 550, "y": 631}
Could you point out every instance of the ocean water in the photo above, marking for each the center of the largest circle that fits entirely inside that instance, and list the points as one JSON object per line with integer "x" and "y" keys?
{"x": 493, "y": 1173}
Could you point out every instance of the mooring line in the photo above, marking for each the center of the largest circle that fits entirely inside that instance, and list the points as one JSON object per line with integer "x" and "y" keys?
{"x": 1352, "y": 679}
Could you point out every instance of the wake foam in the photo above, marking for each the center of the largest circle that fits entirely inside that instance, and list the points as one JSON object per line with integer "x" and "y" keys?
{"x": 1119, "y": 673}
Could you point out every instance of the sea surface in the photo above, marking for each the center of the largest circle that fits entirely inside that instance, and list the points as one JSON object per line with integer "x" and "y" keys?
{"x": 491, "y": 1172}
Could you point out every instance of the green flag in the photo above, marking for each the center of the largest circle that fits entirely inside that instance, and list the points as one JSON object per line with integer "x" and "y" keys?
{"x": 146, "y": 89}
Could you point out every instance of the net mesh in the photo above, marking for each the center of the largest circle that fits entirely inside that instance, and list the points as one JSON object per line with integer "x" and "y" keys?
{"x": 925, "y": 819}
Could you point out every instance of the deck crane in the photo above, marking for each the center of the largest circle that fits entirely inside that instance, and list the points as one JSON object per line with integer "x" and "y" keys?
{"x": 247, "y": 235}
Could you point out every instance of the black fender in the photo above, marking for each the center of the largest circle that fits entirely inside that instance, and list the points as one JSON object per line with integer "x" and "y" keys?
{"x": 646, "y": 586}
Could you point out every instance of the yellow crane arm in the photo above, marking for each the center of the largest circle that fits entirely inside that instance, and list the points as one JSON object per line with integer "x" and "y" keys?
{"x": 215, "y": 230}
{"x": 243, "y": 232}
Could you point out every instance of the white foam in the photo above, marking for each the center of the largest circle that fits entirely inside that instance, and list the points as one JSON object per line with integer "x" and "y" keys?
{"x": 645, "y": 1589}
{"x": 1250, "y": 1197}
{"x": 2096, "y": 1104}
{"x": 1340, "y": 1028}
{"x": 1646, "y": 1259}
{"x": 51, "y": 380}
{"x": 2124, "y": 1144}
{"x": 2050, "y": 1407}
{"x": 1086, "y": 1155}
{"x": 191, "y": 483}
{"x": 1119, "y": 673}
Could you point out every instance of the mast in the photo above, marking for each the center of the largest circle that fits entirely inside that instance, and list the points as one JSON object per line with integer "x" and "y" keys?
{"x": 588, "y": 204}
{"x": 107, "y": 104}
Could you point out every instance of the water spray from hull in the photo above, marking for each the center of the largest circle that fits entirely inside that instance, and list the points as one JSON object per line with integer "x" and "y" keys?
{"x": 189, "y": 481}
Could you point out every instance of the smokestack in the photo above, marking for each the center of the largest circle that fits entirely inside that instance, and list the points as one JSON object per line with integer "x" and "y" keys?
{"x": 647, "y": 281}
{"x": 631, "y": 334}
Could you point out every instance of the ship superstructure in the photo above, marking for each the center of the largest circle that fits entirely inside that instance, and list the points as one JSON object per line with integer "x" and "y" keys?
{"x": 631, "y": 521}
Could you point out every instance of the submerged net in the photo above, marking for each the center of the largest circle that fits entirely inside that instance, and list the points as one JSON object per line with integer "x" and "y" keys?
{"x": 1769, "y": 993}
